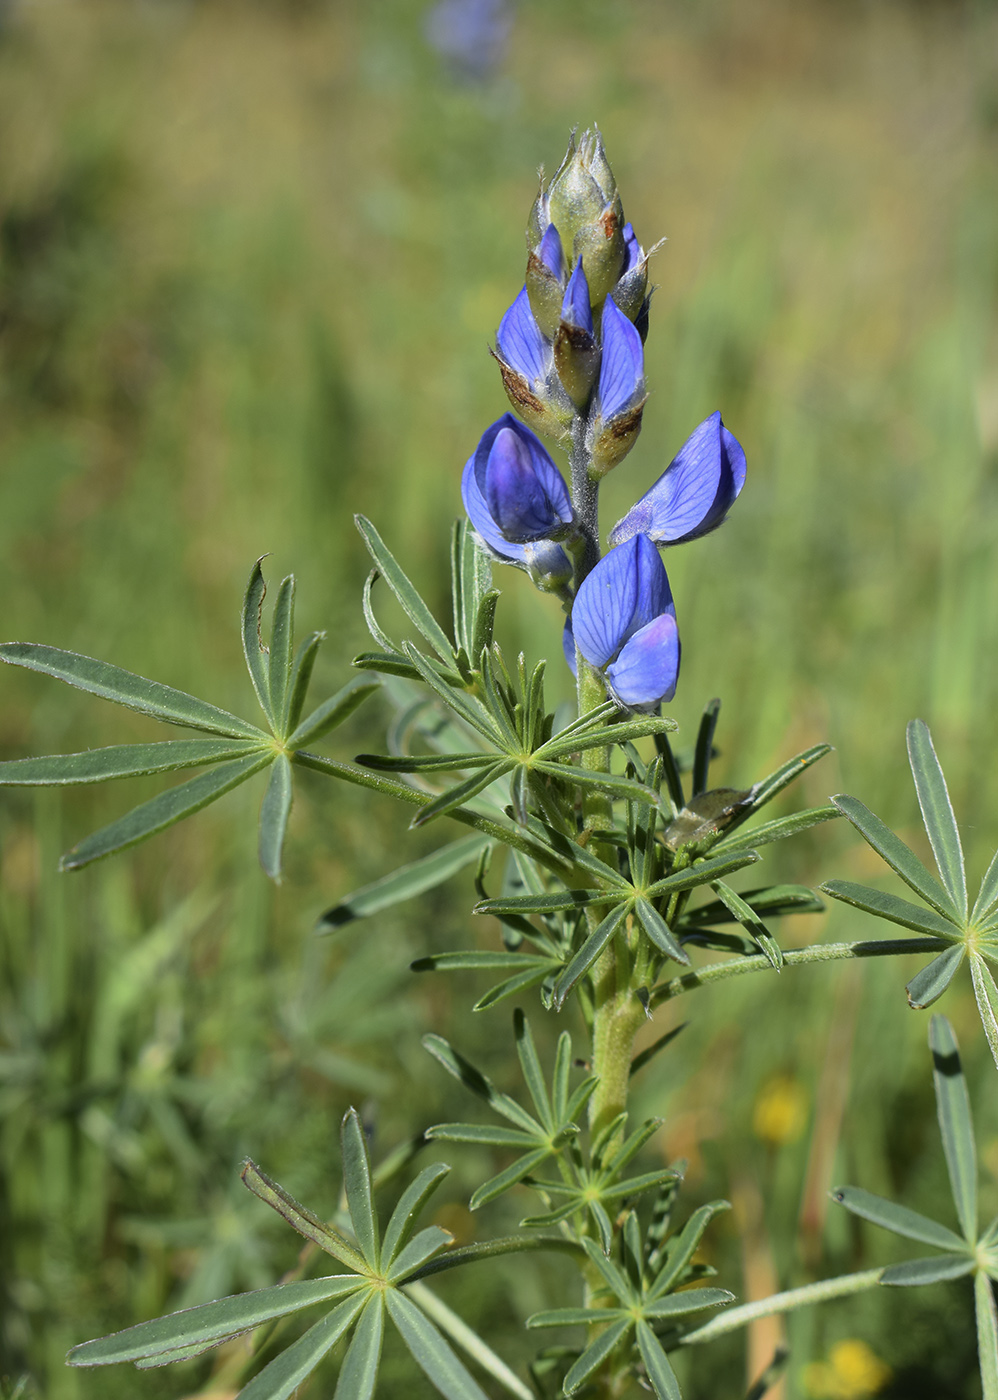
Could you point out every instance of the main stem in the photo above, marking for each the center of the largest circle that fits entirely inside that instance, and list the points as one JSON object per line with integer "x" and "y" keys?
{"x": 617, "y": 1014}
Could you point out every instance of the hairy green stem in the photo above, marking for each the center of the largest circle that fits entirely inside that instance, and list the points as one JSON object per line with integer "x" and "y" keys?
{"x": 733, "y": 1318}
{"x": 794, "y": 957}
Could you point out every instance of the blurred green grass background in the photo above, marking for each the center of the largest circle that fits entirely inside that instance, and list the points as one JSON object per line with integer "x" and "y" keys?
{"x": 251, "y": 257}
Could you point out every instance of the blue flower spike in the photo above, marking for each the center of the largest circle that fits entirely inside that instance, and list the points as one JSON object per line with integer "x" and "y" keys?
{"x": 624, "y": 621}
{"x": 518, "y": 502}
{"x": 526, "y": 362}
{"x": 620, "y": 392}
{"x": 576, "y": 354}
{"x": 693, "y": 494}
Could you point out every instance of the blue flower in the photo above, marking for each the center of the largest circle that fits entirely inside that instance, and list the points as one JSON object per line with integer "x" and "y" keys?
{"x": 472, "y": 34}
{"x": 694, "y": 493}
{"x": 522, "y": 345}
{"x": 624, "y": 623}
{"x": 622, "y": 370}
{"x": 517, "y": 500}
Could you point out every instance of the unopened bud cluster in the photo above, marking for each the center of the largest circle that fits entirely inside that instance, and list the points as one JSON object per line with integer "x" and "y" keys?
{"x": 571, "y": 353}
{"x": 570, "y": 346}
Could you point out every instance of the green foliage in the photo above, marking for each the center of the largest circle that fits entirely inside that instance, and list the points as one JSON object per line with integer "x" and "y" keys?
{"x": 973, "y": 934}
{"x": 973, "y": 1253}
{"x": 280, "y": 683}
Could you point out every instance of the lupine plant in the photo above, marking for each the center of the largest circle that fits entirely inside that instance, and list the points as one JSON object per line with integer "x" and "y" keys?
{"x": 602, "y": 852}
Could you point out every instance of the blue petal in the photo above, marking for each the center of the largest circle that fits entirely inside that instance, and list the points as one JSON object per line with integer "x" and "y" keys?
{"x": 521, "y": 343}
{"x": 633, "y": 252}
{"x": 627, "y": 589}
{"x": 480, "y": 517}
{"x": 647, "y": 668}
{"x": 520, "y": 485}
{"x": 621, "y": 374}
{"x": 575, "y": 309}
{"x": 568, "y": 646}
{"x": 516, "y": 494}
{"x": 550, "y": 252}
{"x": 694, "y": 493}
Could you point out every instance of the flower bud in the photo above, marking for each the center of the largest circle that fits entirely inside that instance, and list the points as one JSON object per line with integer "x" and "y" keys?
{"x": 694, "y": 493}
{"x": 583, "y": 203}
{"x": 632, "y": 287}
{"x": 576, "y": 354}
{"x": 620, "y": 392}
{"x": 526, "y": 362}
{"x": 546, "y": 281}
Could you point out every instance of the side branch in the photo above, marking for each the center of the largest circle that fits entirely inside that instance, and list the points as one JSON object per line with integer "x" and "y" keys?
{"x": 794, "y": 957}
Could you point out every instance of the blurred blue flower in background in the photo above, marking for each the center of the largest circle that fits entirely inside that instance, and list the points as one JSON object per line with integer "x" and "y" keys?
{"x": 624, "y": 622}
{"x": 694, "y": 493}
{"x": 471, "y": 35}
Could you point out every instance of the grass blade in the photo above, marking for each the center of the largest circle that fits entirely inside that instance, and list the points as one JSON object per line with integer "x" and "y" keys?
{"x": 274, "y": 812}
{"x": 164, "y": 810}
{"x": 125, "y": 688}
{"x": 937, "y": 812}
{"x": 898, "y": 856}
{"x": 955, "y": 1124}
{"x": 430, "y": 1351}
{"x": 120, "y": 761}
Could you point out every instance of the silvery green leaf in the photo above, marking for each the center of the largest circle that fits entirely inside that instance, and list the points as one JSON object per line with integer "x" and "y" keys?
{"x": 166, "y": 809}
{"x": 953, "y": 1103}
{"x": 937, "y": 812}
{"x": 124, "y": 688}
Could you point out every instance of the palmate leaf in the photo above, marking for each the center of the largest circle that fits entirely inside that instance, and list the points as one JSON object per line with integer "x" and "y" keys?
{"x": 124, "y": 688}
{"x": 210, "y": 1323}
{"x": 239, "y": 751}
{"x": 368, "y": 1295}
{"x": 165, "y": 809}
